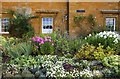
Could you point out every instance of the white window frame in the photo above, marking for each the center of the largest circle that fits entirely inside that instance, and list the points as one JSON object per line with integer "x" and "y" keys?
{"x": 1, "y": 28}
{"x": 114, "y": 26}
{"x": 45, "y": 31}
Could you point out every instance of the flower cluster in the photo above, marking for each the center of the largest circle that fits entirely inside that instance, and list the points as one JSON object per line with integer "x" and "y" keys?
{"x": 12, "y": 69}
{"x": 86, "y": 73}
{"x": 55, "y": 68}
{"x": 38, "y": 40}
{"x": 109, "y": 34}
{"x": 106, "y": 38}
{"x": 47, "y": 39}
{"x": 97, "y": 73}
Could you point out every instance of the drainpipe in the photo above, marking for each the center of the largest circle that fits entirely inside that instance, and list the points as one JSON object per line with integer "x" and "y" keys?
{"x": 119, "y": 17}
{"x": 0, "y": 17}
{"x": 67, "y": 28}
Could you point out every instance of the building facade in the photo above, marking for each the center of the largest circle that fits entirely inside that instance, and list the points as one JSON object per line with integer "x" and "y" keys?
{"x": 61, "y": 15}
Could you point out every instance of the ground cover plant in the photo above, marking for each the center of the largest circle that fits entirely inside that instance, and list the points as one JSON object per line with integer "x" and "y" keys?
{"x": 59, "y": 56}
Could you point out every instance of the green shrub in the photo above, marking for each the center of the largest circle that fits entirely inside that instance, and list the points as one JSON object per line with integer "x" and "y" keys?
{"x": 43, "y": 45}
{"x": 100, "y": 52}
{"x": 91, "y": 52}
{"x": 64, "y": 45}
{"x": 60, "y": 44}
{"x": 10, "y": 41}
{"x": 20, "y": 23}
{"x": 85, "y": 52}
{"x": 104, "y": 38}
{"x": 113, "y": 62}
{"x": 91, "y": 20}
{"x": 47, "y": 48}
{"x": 2, "y": 40}
{"x": 117, "y": 47}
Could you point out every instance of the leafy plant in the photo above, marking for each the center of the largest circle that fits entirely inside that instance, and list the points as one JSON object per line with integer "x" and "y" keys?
{"x": 23, "y": 61}
{"x": 64, "y": 45}
{"x": 113, "y": 62}
{"x": 43, "y": 45}
{"x": 20, "y": 23}
{"x": 43, "y": 66}
{"x": 2, "y": 40}
{"x": 104, "y": 38}
{"x": 108, "y": 73}
{"x": 100, "y": 52}
{"x": 118, "y": 48}
{"x": 59, "y": 44}
{"x": 85, "y": 52}
{"x": 79, "y": 19}
{"x": 91, "y": 20}
{"x": 19, "y": 49}
{"x": 91, "y": 52}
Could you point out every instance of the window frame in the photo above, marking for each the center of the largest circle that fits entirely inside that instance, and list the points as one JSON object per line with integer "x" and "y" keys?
{"x": 115, "y": 21}
{"x": 1, "y": 32}
{"x": 48, "y": 31}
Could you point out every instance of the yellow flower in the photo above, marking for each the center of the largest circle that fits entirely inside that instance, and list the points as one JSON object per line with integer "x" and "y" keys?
{"x": 14, "y": 16}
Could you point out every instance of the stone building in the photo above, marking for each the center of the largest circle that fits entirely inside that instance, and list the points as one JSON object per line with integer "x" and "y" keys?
{"x": 54, "y": 15}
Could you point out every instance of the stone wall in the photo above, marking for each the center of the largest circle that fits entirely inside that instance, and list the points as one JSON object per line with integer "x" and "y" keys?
{"x": 90, "y": 8}
{"x": 59, "y": 18}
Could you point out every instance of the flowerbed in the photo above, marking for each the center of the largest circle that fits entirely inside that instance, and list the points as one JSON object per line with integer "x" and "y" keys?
{"x": 56, "y": 67}
{"x": 58, "y": 56}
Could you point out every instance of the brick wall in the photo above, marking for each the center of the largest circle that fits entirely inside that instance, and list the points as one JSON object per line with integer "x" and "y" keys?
{"x": 90, "y": 8}
{"x": 58, "y": 18}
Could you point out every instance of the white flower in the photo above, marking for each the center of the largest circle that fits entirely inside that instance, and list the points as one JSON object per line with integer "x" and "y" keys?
{"x": 86, "y": 73}
{"x": 110, "y": 35}
{"x": 105, "y": 36}
{"x": 115, "y": 41}
{"x": 97, "y": 73}
{"x": 90, "y": 35}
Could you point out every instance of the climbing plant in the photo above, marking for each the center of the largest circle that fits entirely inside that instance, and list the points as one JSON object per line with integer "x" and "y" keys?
{"x": 20, "y": 23}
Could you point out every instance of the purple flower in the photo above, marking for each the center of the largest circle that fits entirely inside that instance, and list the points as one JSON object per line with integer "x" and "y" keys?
{"x": 67, "y": 66}
{"x": 47, "y": 39}
{"x": 38, "y": 40}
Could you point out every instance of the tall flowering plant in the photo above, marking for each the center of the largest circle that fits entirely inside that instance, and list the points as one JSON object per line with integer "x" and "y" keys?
{"x": 37, "y": 41}
{"x": 48, "y": 46}
{"x": 43, "y": 45}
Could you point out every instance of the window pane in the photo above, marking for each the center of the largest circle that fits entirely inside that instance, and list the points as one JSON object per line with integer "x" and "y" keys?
{"x": 47, "y": 25}
{"x": 5, "y": 23}
{"x": 110, "y": 24}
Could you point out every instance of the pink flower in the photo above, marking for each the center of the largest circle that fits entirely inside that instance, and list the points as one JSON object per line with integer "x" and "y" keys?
{"x": 47, "y": 39}
{"x": 42, "y": 42}
{"x": 33, "y": 39}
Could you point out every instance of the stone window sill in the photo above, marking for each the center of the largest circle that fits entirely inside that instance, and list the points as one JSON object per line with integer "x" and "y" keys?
{"x": 4, "y": 33}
